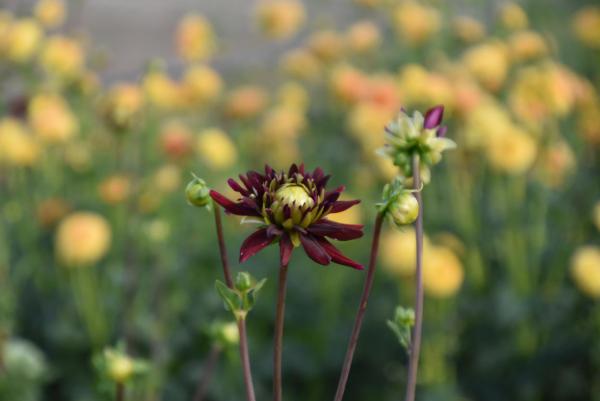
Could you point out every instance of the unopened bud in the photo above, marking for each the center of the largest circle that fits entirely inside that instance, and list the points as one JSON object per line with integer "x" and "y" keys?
{"x": 404, "y": 209}
{"x": 243, "y": 281}
{"x": 197, "y": 192}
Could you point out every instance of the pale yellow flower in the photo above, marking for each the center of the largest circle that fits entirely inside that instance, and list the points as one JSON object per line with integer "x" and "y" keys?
{"x": 326, "y": 45}
{"x": 63, "y": 57}
{"x": 513, "y": 17}
{"x": 363, "y": 36}
{"x": 415, "y": 23}
{"x": 122, "y": 104}
{"x": 512, "y": 152}
{"x": 301, "y": 64}
{"x": 443, "y": 272}
{"x": 51, "y": 118}
{"x": 202, "y": 84}
{"x": 82, "y": 239}
{"x": 195, "y": 39}
{"x": 293, "y": 95}
{"x": 585, "y": 270}
{"x": 51, "y": 13}
{"x": 17, "y": 146}
{"x": 366, "y": 123}
{"x": 22, "y": 40}
{"x": 586, "y": 26}
{"x": 398, "y": 251}
{"x": 487, "y": 120}
{"x": 348, "y": 84}
{"x": 167, "y": 178}
{"x": 468, "y": 29}
{"x": 488, "y": 63}
{"x": 216, "y": 149}
{"x": 280, "y": 19}
{"x": 526, "y": 45}
{"x": 283, "y": 122}
{"x": 246, "y": 101}
{"x": 557, "y": 161}
{"x": 115, "y": 189}
{"x": 162, "y": 91}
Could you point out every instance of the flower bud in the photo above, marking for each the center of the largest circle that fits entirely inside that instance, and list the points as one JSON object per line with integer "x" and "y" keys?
{"x": 120, "y": 368}
{"x": 404, "y": 209}
{"x": 243, "y": 281}
{"x": 197, "y": 192}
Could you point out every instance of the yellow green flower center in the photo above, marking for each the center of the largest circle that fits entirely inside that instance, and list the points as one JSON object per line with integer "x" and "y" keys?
{"x": 294, "y": 195}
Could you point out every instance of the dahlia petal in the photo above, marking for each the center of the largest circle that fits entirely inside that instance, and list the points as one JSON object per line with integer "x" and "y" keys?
{"x": 285, "y": 249}
{"x": 333, "y": 229}
{"x": 322, "y": 181}
{"x": 340, "y": 206}
{"x": 237, "y": 187}
{"x": 337, "y": 256}
{"x": 238, "y": 209}
{"x": 268, "y": 170}
{"x": 314, "y": 250}
{"x": 441, "y": 131}
{"x": 318, "y": 174}
{"x": 274, "y": 231}
{"x": 433, "y": 117}
{"x": 256, "y": 242}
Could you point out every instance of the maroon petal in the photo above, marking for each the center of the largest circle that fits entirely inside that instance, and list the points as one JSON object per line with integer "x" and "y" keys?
{"x": 254, "y": 243}
{"x": 314, "y": 250}
{"x": 337, "y": 256}
{"x": 237, "y": 187}
{"x": 340, "y": 206}
{"x": 232, "y": 207}
{"x": 285, "y": 249}
{"x": 333, "y": 229}
{"x": 433, "y": 117}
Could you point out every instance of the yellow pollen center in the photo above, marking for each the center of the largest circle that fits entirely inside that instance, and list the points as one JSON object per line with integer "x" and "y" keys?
{"x": 293, "y": 194}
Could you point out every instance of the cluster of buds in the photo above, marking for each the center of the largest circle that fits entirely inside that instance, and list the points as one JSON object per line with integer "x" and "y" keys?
{"x": 401, "y": 325}
{"x": 417, "y": 135}
{"x": 240, "y": 299}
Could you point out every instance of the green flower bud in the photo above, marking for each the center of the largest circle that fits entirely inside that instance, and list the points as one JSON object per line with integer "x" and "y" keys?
{"x": 404, "y": 209}
{"x": 197, "y": 192}
{"x": 243, "y": 281}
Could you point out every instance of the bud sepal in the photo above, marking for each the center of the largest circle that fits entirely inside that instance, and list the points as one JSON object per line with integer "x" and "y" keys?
{"x": 241, "y": 299}
{"x": 401, "y": 325}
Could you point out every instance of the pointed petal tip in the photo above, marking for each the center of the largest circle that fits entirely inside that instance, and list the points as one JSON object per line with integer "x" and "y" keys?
{"x": 433, "y": 117}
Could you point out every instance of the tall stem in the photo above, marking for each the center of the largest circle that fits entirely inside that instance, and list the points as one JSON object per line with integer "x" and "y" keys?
{"x": 278, "y": 338}
{"x": 413, "y": 363}
{"x": 120, "y": 392}
{"x": 246, "y": 359}
{"x": 241, "y": 322}
{"x": 339, "y": 394}
{"x": 207, "y": 373}
{"x": 222, "y": 247}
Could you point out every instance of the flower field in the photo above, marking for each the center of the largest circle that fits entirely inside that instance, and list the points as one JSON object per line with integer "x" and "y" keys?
{"x": 469, "y": 131}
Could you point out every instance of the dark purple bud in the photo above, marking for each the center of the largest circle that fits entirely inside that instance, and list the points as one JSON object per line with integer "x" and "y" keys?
{"x": 433, "y": 117}
{"x": 441, "y": 131}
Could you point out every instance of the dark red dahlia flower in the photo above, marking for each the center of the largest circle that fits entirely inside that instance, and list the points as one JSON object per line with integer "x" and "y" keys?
{"x": 291, "y": 209}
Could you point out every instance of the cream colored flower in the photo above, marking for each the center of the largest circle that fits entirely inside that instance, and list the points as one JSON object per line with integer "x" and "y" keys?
{"x": 63, "y": 57}
{"x": 82, "y": 239}
{"x": 22, "y": 40}
{"x": 585, "y": 270}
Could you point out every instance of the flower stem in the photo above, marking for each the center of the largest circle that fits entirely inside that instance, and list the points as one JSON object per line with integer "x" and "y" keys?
{"x": 120, "y": 392}
{"x": 361, "y": 310}
{"x": 241, "y": 322}
{"x": 222, "y": 248}
{"x": 207, "y": 372}
{"x": 278, "y": 338}
{"x": 413, "y": 363}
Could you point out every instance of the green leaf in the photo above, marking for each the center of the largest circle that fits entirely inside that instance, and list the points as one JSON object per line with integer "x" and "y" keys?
{"x": 230, "y": 297}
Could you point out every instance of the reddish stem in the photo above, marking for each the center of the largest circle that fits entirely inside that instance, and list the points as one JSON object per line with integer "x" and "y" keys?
{"x": 246, "y": 360}
{"x": 278, "y": 337}
{"x": 222, "y": 247}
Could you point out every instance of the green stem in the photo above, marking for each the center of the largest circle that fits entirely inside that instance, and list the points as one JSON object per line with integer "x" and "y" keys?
{"x": 278, "y": 337}
{"x": 413, "y": 364}
{"x": 362, "y": 308}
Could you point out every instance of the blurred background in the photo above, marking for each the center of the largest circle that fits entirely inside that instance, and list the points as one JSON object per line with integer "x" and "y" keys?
{"x": 106, "y": 107}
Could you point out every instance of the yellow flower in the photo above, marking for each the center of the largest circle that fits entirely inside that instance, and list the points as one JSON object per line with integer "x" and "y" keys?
{"x": 195, "y": 39}
{"x": 122, "y": 104}
{"x": 363, "y": 36}
{"x": 283, "y": 122}
{"x": 526, "y": 45}
{"x": 22, "y": 40}
{"x": 167, "y": 178}
{"x": 82, "y": 239}
{"x": 443, "y": 272}
{"x": 489, "y": 119}
{"x": 301, "y": 64}
{"x": 201, "y": 84}
{"x": 585, "y": 270}
{"x": 596, "y": 215}
{"x": 245, "y": 102}
{"x": 586, "y": 26}
{"x": 488, "y": 63}
{"x": 176, "y": 140}
{"x": 348, "y": 84}
{"x": 115, "y": 189}
{"x": 366, "y": 122}
{"x": 557, "y": 160}
{"x": 468, "y": 29}
{"x": 51, "y": 13}
{"x": 280, "y": 19}
{"x": 413, "y": 82}
{"x": 62, "y": 57}
{"x": 542, "y": 91}
{"x": 513, "y": 17}
{"x": 513, "y": 151}
{"x": 51, "y": 118}
{"x": 398, "y": 251}
{"x": 17, "y": 146}
{"x": 326, "y": 45}
{"x": 162, "y": 91}
{"x": 216, "y": 149}
{"x": 415, "y": 23}
{"x": 293, "y": 95}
